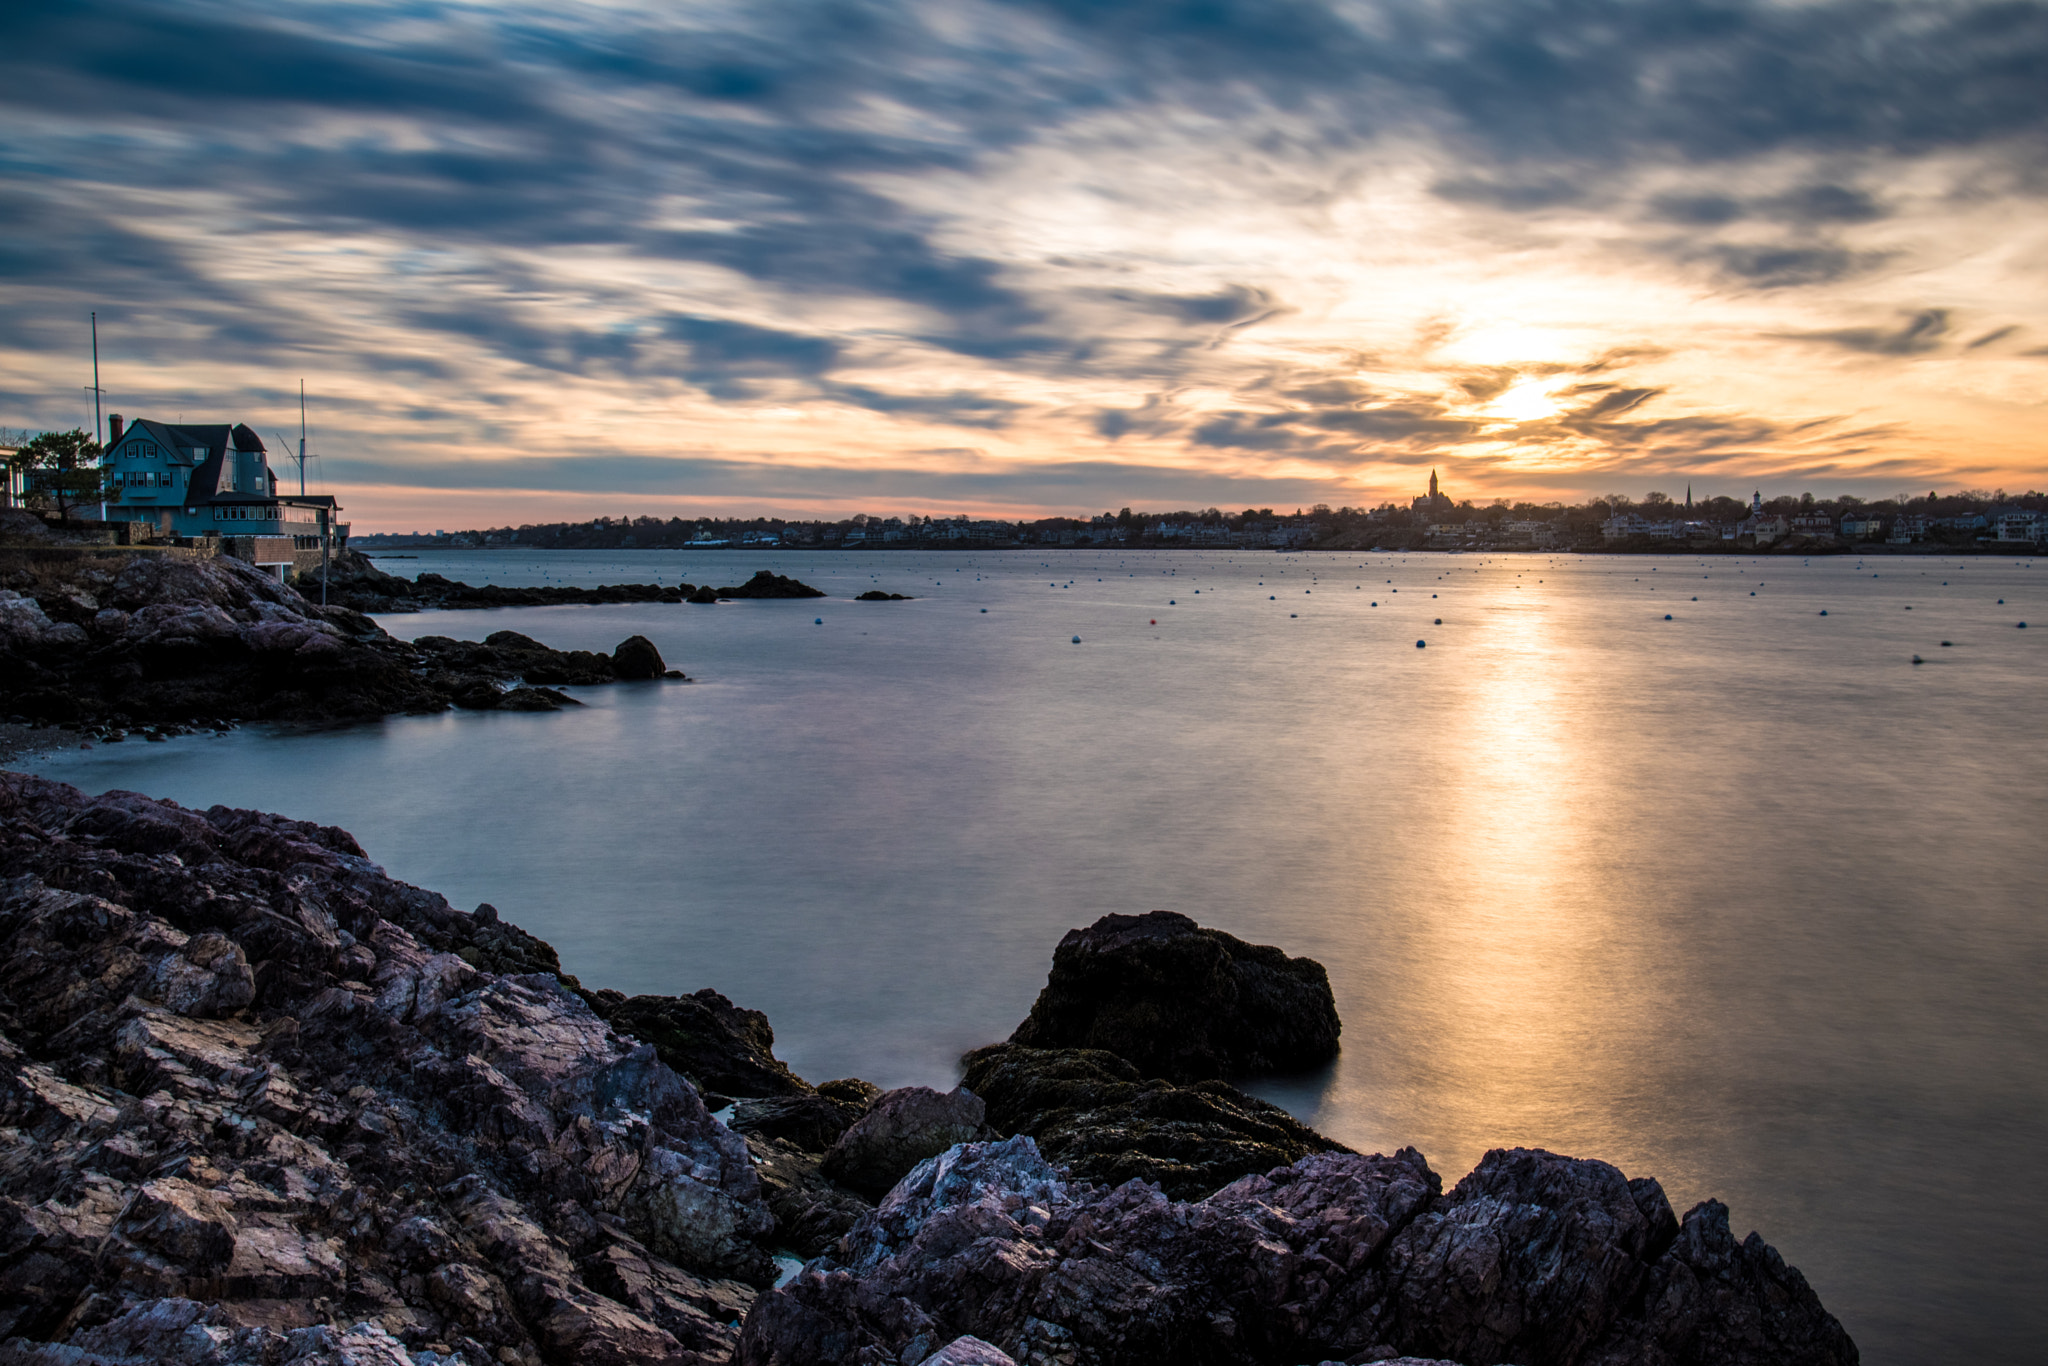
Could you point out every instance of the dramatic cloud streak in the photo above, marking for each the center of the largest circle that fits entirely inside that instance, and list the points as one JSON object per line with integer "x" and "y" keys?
{"x": 1041, "y": 255}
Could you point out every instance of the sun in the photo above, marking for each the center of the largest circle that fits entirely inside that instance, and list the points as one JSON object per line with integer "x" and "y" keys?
{"x": 1529, "y": 401}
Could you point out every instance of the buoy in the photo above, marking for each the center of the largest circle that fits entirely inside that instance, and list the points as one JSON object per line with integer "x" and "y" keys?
{"x": 1823, "y": 611}
{"x": 1171, "y": 602}
{"x": 1155, "y": 621}
{"x": 984, "y": 611}
{"x": 1667, "y": 616}
{"x": 1918, "y": 660}
{"x": 1420, "y": 643}
{"x": 1077, "y": 640}
{"x": 1946, "y": 644}
{"x": 1439, "y": 621}
{"x": 1271, "y": 598}
{"x": 1294, "y": 615}
{"x": 2023, "y": 626}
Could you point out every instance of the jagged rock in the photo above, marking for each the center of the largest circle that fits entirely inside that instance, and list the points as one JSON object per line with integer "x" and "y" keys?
{"x": 1337, "y": 1257}
{"x": 968, "y": 1351}
{"x": 1091, "y": 1113}
{"x": 1710, "y": 1299}
{"x": 1183, "y": 1002}
{"x": 901, "y": 1129}
{"x": 718, "y": 1045}
{"x": 877, "y": 595}
{"x": 636, "y": 658}
{"x": 242, "y": 1067}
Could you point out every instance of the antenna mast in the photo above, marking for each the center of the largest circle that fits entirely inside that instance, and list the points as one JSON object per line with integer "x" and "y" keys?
{"x": 302, "y": 438}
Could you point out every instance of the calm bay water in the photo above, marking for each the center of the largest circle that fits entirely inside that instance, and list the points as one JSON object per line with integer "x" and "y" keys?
{"x": 1742, "y": 899}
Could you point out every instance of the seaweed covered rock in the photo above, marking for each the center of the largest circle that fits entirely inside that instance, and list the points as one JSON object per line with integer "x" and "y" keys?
{"x": 1183, "y": 1002}
{"x": 722, "y": 1047}
{"x": 1093, "y": 1114}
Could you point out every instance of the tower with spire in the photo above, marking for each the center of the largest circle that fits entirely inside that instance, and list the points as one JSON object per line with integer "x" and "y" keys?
{"x": 1434, "y": 500}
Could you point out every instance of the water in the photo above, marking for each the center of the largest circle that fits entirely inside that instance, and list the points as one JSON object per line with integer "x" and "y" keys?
{"x": 1743, "y": 900}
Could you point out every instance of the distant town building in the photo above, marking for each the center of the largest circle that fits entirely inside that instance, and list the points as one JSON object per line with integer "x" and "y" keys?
{"x": 1433, "y": 501}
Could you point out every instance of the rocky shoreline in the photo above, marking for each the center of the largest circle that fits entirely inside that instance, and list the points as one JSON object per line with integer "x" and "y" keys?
{"x": 148, "y": 646}
{"x": 356, "y": 582}
{"x": 262, "y": 1103}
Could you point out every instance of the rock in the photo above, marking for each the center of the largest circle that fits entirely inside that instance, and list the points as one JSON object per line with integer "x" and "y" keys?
{"x": 253, "y": 1091}
{"x": 877, "y": 595}
{"x": 1711, "y": 1299}
{"x": 811, "y": 1211}
{"x": 769, "y": 585}
{"x": 704, "y": 595}
{"x": 968, "y": 1351}
{"x": 1333, "y": 1258}
{"x": 1091, "y": 1113}
{"x": 182, "y": 1222}
{"x": 1183, "y": 1002}
{"x": 636, "y": 658}
{"x": 901, "y": 1129}
{"x": 718, "y": 1045}
{"x": 810, "y": 1122}
{"x": 356, "y": 582}
{"x": 175, "y": 641}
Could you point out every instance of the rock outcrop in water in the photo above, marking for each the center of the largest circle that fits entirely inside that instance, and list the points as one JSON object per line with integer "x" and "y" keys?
{"x": 156, "y": 642}
{"x": 1183, "y": 1002}
{"x": 354, "y": 581}
{"x": 261, "y": 1105}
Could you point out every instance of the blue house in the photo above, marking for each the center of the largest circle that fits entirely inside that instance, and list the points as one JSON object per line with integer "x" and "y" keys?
{"x": 210, "y": 480}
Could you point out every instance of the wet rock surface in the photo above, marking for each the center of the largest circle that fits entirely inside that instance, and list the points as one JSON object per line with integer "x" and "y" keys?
{"x": 877, "y": 595}
{"x": 158, "y": 643}
{"x": 1092, "y": 1114}
{"x": 1534, "y": 1259}
{"x": 259, "y": 1102}
{"x": 1183, "y": 1002}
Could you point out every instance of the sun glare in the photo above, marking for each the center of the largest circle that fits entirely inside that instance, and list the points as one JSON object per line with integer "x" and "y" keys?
{"x": 1529, "y": 401}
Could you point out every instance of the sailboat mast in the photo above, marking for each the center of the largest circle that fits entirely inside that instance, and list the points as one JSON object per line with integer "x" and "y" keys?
{"x": 302, "y": 438}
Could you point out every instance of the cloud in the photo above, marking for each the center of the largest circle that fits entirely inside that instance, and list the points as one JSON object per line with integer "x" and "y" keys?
{"x": 1918, "y": 334}
{"x": 1192, "y": 232}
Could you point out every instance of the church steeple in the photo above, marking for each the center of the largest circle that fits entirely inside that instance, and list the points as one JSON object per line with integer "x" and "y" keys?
{"x": 1432, "y": 484}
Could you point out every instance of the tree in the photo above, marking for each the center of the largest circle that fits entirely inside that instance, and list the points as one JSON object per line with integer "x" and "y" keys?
{"x": 62, "y": 470}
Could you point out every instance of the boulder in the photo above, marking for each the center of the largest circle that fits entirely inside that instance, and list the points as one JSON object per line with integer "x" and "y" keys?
{"x": 1091, "y": 1113}
{"x": 636, "y": 658}
{"x": 765, "y": 584}
{"x": 901, "y": 1129}
{"x": 1183, "y": 1002}
{"x": 720, "y": 1046}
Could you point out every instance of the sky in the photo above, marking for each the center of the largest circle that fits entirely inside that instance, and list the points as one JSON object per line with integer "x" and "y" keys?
{"x": 537, "y": 262}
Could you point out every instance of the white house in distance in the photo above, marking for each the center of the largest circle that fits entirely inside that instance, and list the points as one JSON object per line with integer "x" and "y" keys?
{"x": 212, "y": 480}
